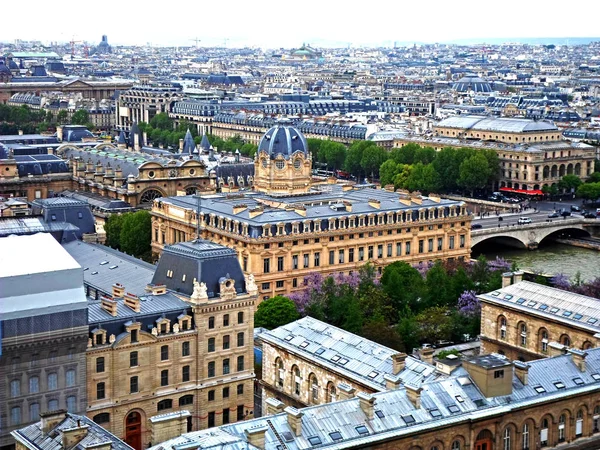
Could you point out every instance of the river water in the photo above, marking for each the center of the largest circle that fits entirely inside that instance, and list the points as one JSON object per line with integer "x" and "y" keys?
{"x": 550, "y": 258}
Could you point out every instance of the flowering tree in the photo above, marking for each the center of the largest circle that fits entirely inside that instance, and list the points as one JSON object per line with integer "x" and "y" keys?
{"x": 561, "y": 281}
{"x": 468, "y": 304}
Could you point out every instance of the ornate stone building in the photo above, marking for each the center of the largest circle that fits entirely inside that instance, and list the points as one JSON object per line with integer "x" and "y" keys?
{"x": 528, "y": 321}
{"x": 141, "y": 103}
{"x": 288, "y": 228}
{"x": 182, "y": 347}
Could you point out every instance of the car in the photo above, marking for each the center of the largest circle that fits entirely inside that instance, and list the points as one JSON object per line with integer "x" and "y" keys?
{"x": 565, "y": 213}
{"x": 476, "y": 226}
{"x": 589, "y": 215}
{"x": 554, "y": 214}
{"x": 524, "y": 220}
{"x": 575, "y": 208}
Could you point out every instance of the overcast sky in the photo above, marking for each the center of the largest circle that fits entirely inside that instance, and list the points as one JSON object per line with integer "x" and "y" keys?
{"x": 281, "y": 23}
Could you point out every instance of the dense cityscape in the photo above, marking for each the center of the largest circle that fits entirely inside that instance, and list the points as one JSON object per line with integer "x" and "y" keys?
{"x": 340, "y": 247}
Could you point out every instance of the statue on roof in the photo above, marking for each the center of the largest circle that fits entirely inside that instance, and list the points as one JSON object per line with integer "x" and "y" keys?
{"x": 200, "y": 291}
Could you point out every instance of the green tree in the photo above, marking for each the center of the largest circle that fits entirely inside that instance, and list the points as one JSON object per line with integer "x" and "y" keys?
{"x": 335, "y": 154}
{"x": 424, "y": 155}
{"x": 313, "y": 146}
{"x": 388, "y": 171}
{"x": 378, "y": 330}
{"x": 474, "y": 172}
{"x": 80, "y": 117}
{"x": 408, "y": 330}
{"x": 162, "y": 121}
{"x": 569, "y": 182}
{"x": 405, "y": 154}
{"x": 447, "y": 164}
{"x": 373, "y": 157}
{"x": 589, "y": 191}
{"x": 493, "y": 165}
{"x": 404, "y": 285}
{"x": 354, "y": 158}
{"x": 402, "y": 177}
{"x": 438, "y": 286}
{"x": 423, "y": 178}
{"x": 275, "y": 312}
{"x": 62, "y": 116}
{"x": 435, "y": 324}
{"x": 112, "y": 227}
{"x": 136, "y": 234}
{"x": 594, "y": 178}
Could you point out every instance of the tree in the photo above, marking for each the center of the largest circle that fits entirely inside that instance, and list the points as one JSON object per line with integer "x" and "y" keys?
{"x": 162, "y": 122}
{"x": 569, "y": 183}
{"x": 275, "y": 312}
{"x": 423, "y": 178}
{"x": 589, "y": 191}
{"x": 434, "y": 324}
{"x": 112, "y": 227}
{"x": 594, "y": 178}
{"x": 388, "y": 170}
{"x": 62, "y": 116}
{"x": 424, "y": 155}
{"x": 404, "y": 285}
{"x": 354, "y": 158}
{"x": 474, "y": 172}
{"x": 373, "y": 157}
{"x": 335, "y": 154}
{"x": 136, "y": 234}
{"x": 439, "y": 286}
{"x": 447, "y": 165}
{"x": 80, "y": 117}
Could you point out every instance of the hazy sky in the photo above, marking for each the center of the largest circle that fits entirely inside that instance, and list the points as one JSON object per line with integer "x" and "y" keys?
{"x": 272, "y": 23}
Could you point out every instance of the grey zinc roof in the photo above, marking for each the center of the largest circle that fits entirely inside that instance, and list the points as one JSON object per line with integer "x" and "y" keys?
{"x": 149, "y": 304}
{"x": 500, "y": 124}
{"x": 443, "y": 402}
{"x": 99, "y": 271}
{"x": 550, "y": 303}
{"x": 33, "y": 436}
{"x": 350, "y": 355}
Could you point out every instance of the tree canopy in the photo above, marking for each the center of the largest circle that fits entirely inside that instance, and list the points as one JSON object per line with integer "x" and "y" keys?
{"x": 130, "y": 233}
{"x": 275, "y": 312}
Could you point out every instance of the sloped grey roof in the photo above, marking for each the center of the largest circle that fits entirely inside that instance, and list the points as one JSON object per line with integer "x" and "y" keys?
{"x": 500, "y": 124}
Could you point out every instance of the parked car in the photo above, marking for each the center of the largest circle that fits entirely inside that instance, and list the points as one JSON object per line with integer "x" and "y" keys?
{"x": 589, "y": 215}
{"x": 524, "y": 220}
{"x": 565, "y": 213}
{"x": 476, "y": 226}
{"x": 554, "y": 214}
{"x": 575, "y": 208}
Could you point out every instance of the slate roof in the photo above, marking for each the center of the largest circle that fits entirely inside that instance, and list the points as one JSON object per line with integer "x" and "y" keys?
{"x": 40, "y": 165}
{"x": 444, "y": 402}
{"x": 551, "y": 303}
{"x": 61, "y": 231}
{"x": 104, "y": 266}
{"x": 340, "y": 351}
{"x": 500, "y": 124}
{"x": 283, "y": 140}
{"x": 32, "y": 436}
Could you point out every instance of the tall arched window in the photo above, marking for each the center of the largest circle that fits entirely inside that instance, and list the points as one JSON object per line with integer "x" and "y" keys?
{"x": 561, "y": 427}
{"x": 502, "y": 327}
{"x": 543, "y": 336}
{"x": 565, "y": 340}
{"x": 331, "y": 392}
{"x": 313, "y": 385}
{"x": 506, "y": 439}
{"x": 544, "y": 433}
{"x": 525, "y": 436}
{"x": 297, "y": 380}
{"x": 579, "y": 423}
{"x": 279, "y": 372}
{"x": 456, "y": 445}
{"x": 523, "y": 334}
{"x": 596, "y": 420}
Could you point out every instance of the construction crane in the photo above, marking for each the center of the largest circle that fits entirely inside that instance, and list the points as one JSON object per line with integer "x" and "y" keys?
{"x": 196, "y": 40}
{"x": 73, "y": 42}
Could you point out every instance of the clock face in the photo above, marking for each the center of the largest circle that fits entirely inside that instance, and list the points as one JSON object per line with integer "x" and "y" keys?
{"x": 264, "y": 162}
{"x": 297, "y": 164}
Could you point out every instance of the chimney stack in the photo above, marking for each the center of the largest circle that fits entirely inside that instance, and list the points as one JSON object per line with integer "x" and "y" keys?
{"x": 274, "y": 406}
{"x": 392, "y": 382}
{"x": 578, "y": 357}
{"x": 398, "y": 362}
{"x": 506, "y": 279}
{"x": 52, "y": 418}
{"x": 556, "y": 349}
{"x": 522, "y": 371}
{"x": 132, "y": 301}
{"x": 136, "y": 142}
{"x": 118, "y": 290}
{"x": 367, "y": 404}
{"x": 518, "y": 276}
{"x": 345, "y": 391}
{"x": 414, "y": 394}
{"x": 427, "y": 355}
{"x": 294, "y": 418}
{"x": 73, "y": 436}
{"x": 256, "y": 436}
{"x": 109, "y": 305}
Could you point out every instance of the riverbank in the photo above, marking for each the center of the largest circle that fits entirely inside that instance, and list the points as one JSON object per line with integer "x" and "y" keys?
{"x": 592, "y": 244}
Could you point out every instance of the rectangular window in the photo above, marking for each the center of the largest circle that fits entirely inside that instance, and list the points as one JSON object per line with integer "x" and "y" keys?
{"x": 351, "y": 255}
{"x": 226, "y": 366}
{"x": 225, "y": 392}
{"x": 211, "y": 419}
{"x": 240, "y": 339}
{"x": 133, "y": 385}
{"x": 15, "y": 388}
{"x": 295, "y": 282}
{"x": 100, "y": 364}
{"x": 15, "y": 415}
{"x": 380, "y": 251}
{"x": 265, "y": 286}
{"x": 429, "y": 245}
{"x": 240, "y": 389}
{"x": 407, "y": 248}
{"x": 331, "y": 257}
{"x": 317, "y": 259}
{"x": 210, "y": 345}
{"x": 70, "y": 375}
{"x": 226, "y": 320}
{"x": 225, "y": 416}
{"x": 211, "y": 323}
{"x": 133, "y": 359}
{"x": 341, "y": 257}
{"x": 185, "y": 348}
{"x": 370, "y": 254}
{"x": 279, "y": 284}
{"x": 240, "y": 412}
{"x": 451, "y": 243}
{"x": 134, "y": 336}
{"x": 164, "y": 353}
{"x": 211, "y": 396}
{"x": 306, "y": 257}
{"x": 389, "y": 250}
{"x": 34, "y": 412}
{"x": 399, "y": 249}
{"x": 185, "y": 373}
{"x": 241, "y": 317}
{"x": 361, "y": 253}
{"x": 34, "y": 385}
{"x": 100, "y": 392}
{"x": 421, "y": 245}
{"x": 294, "y": 262}
{"x": 462, "y": 241}
{"x": 245, "y": 263}
{"x": 280, "y": 262}
{"x": 225, "y": 342}
{"x": 52, "y": 381}
{"x": 266, "y": 265}
{"x": 440, "y": 245}
{"x": 164, "y": 377}
{"x": 240, "y": 363}
{"x": 499, "y": 373}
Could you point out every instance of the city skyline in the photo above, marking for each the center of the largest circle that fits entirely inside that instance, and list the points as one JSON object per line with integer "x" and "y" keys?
{"x": 268, "y": 25}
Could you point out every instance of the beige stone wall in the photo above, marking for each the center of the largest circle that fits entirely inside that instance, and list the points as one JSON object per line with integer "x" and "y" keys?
{"x": 511, "y": 138}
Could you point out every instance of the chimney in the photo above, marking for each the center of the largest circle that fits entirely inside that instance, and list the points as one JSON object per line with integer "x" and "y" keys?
{"x": 414, "y": 394}
{"x": 522, "y": 371}
{"x": 427, "y": 355}
{"x": 59, "y": 133}
{"x": 168, "y": 426}
{"x": 73, "y": 436}
{"x": 156, "y": 289}
{"x": 578, "y": 357}
{"x": 52, "y": 418}
{"x": 118, "y": 290}
{"x": 50, "y": 151}
{"x": 518, "y": 276}
{"x": 136, "y": 142}
{"x": 506, "y": 279}
{"x": 345, "y": 391}
{"x": 274, "y": 406}
{"x": 398, "y": 362}
{"x": 256, "y": 436}
{"x": 132, "y": 301}
{"x": 180, "y": 145}
{"x": 109, "y": 305}
{"x": 392, "y": 382}
{"x": 367, "y": 404}
{"x": 556, "y": 349}
{"x": 294, "y": 418}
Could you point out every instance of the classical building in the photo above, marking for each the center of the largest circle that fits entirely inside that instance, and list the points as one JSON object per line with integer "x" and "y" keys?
{"x": 287, "y": 228}
{"x": 43, "y": 317}
{"x": 526, "y": 321}
{"x": 141, "y": 103}
{"x": 181, "y": 348}
{"x": 305, "y": 363}
{"x": 488, "y": 402}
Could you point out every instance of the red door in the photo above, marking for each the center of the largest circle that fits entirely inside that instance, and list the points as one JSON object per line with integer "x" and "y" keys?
{"x": 483, "y": 445}
{"x": 133, "y": 430}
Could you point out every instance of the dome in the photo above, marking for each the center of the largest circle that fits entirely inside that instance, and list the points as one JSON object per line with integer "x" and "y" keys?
{"x": 283, "y": 139}
{"x": 473, "y": 83}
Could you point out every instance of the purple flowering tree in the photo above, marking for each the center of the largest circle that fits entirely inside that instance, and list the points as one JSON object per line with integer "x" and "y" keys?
{"x": 468, "y": 304}
{"x": 561, "y": 281}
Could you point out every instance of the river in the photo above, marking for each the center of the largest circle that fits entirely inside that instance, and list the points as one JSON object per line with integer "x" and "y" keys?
{"x": 550, "y": 258}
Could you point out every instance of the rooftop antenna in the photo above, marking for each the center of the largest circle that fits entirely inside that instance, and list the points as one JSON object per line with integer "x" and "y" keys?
{"x": 198, "y": 197}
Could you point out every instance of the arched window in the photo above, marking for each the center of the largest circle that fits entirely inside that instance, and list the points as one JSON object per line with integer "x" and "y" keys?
{"x": 525, "y": 436}
{"x": 279, "y": 372}
{"x": 565, "y": 340}
{"x": 561, "y": 427}
{"x": 102, "y": 418}
{"x": 506, "y": 439}
{"x": 164, "y": 404}
{"x": 456, "y": 445}
{"x": 544, "y": 433}
{"x": 297, "y": 379}
{"x": 579, "y": 423}
{"x": 523, "y": 334}
{"x": 331, "y": 392}
{"x": 313, "y": 385}
{"x": 587, "y": 345}
{"x": 502, "y": 327}
{"x": 186, "y": 400}
{"x": 596, "y": 420}
{"x": 543, "y": 336}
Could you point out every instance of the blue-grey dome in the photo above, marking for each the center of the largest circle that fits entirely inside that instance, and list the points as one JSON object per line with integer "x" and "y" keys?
{"x": 283, "y": 139}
